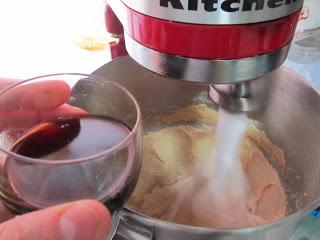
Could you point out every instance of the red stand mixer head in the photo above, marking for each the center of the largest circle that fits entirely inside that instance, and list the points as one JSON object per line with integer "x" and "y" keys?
{"x": 228, "y": 42}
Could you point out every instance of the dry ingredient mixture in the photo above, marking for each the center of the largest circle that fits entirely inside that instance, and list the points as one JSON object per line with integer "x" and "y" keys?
{"x": 175, "y": 169}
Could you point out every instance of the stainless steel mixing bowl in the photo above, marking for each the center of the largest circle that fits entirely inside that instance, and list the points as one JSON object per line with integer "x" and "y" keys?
{"x": 291, "y": 119}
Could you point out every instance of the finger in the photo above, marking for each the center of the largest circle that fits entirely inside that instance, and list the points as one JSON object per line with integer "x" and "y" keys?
{"x": 5, "y": 214}
{"x": 26, "y": 119}
{"x": 44, "y": 95}
{"x": 82, "y": 220}
{"x": 6, "y": 82}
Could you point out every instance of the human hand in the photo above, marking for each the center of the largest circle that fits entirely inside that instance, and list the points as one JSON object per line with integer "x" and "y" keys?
{"x": 37, "y": 102}
{"x": 82, "y": 220}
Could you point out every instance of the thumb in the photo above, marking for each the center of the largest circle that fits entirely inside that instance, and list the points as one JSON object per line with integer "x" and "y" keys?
{"x": 82, "y": 220}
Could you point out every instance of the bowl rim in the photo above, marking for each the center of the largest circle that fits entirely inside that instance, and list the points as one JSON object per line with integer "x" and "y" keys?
{"x": 123, "y": 143}
{"x": 294, "y": 217}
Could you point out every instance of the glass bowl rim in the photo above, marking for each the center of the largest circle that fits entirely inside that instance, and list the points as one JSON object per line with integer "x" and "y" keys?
{"x": 122, "y": 144}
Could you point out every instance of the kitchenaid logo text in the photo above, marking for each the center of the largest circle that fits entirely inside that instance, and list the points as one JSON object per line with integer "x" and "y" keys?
{"x": 226, "y": 5}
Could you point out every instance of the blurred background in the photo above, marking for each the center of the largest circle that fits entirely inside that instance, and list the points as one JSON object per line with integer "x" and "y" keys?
{"x": 44, "y": 36}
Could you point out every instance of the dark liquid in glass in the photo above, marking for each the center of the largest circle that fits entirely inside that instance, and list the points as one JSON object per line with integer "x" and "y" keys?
{"x": 40, "y": 185}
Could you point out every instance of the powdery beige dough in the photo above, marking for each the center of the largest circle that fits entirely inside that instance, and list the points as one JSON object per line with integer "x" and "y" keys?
{"x": 175, "y": 167}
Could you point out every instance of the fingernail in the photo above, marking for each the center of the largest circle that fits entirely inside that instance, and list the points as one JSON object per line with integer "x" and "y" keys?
{"x": 81, "y": 222}
{"x": 79, "y": 112}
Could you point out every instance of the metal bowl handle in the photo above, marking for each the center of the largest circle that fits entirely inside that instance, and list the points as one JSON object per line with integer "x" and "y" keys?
{"x": 129, "y": 229}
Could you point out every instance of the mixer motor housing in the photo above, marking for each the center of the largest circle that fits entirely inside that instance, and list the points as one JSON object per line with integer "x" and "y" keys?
{"x": 209, "y": 41}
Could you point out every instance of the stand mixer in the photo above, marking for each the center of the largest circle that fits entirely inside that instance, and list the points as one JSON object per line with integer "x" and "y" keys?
{"x": 229, "y": 44}
{"x": 234, "y": 46}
